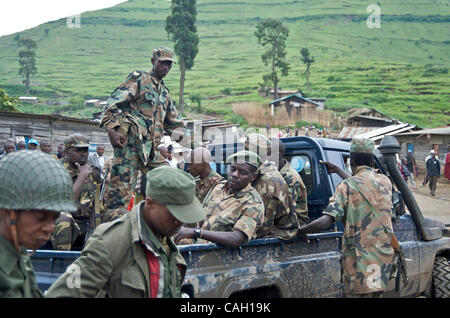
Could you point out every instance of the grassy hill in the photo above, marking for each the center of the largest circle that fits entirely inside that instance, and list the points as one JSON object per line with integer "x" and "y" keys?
{"x": 400, "y": 69}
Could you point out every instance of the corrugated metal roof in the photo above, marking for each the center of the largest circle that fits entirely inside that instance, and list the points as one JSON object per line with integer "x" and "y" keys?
{"x": 431, "y": 131}
{"x": 389, "y": 130}
{"x": 293, "y": 95}
{"x": 349, "y": 132}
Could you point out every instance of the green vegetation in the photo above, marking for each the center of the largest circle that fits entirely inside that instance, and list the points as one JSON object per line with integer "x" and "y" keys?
{"x": 27, "y": 60}
{"x": 9, "y": 104}
{"x": 400, "y": 69}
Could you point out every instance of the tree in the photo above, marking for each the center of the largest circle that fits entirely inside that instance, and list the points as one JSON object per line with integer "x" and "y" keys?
{"x": 272, "y": 35}
{"x": 308, "y": 61}
{"x": 27, "y": 61}
{"x": 7, "y": 103}
{"x": 181, "y": 29}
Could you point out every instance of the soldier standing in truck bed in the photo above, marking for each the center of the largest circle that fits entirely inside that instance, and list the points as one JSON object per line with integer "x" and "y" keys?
{"x": 136, "y": 116}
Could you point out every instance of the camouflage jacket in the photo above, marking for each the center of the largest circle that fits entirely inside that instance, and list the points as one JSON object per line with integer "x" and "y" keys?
{"x": 298, "y": 191}
{"x": 86, "y": 205}
{"x": 202, "y": 186}
{"x": 366, "y": 249}
{"x": 141, "y": 105}
{"x": 243, "y": 210}
{"x": 280, "y": 219}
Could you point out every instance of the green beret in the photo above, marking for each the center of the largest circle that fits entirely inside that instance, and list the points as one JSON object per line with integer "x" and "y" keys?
{"x": 362, "y": 145}
{"x": 245, "y": 156}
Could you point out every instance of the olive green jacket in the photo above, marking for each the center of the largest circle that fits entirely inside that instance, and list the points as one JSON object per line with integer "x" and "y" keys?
{"x": 114, "y": 263}
{"x": 17, "y": 277}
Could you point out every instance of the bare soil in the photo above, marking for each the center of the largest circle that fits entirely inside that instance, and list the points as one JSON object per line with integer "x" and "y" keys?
{"x": 437, "y": 207}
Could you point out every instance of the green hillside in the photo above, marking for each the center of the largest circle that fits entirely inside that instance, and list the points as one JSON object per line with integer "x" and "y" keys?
{"x": 400, "y": 69}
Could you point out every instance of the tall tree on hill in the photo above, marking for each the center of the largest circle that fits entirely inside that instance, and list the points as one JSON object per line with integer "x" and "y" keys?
{"x": 181, "y": 29}
{"x": 272, "y": 35}
{"x": 27, "y": 61}
{"x": 308, "y": 60}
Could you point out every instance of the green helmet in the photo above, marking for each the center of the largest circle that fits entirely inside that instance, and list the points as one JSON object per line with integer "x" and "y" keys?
{"x": 33, "y": 180}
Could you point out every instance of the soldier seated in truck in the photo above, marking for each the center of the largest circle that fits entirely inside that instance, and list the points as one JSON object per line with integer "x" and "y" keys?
{"x": 234, "y": 209}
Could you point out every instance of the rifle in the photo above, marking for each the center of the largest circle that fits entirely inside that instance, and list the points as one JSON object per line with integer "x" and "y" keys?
{"x": 95, "y": 219}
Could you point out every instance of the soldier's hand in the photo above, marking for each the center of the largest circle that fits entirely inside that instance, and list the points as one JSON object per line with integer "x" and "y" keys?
{"x": 183, "y": 232}
{"x": 85, "y": 169}
{"x": 301, "y": 234}
{"x": 116, "y": 138}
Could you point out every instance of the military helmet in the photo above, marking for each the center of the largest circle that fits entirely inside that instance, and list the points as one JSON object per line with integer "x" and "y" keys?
{"x": 33, "y": 180}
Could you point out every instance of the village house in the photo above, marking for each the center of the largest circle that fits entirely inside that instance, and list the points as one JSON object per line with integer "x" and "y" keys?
{"x": 293, "y": 102}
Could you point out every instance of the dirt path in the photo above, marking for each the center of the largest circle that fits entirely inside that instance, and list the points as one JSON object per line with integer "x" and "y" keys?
{"x": 437, "y": 207}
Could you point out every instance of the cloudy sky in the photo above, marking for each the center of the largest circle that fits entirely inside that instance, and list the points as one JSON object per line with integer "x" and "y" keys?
{"x": 19, "y": 15}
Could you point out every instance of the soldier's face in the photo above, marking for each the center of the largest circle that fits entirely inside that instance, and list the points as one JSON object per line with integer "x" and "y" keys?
{"x": 239, "y": 176}
{"x": 161, "y": 68}
{"x": 79, "y": 155}
{"x": 160, "y": 219}
{"x": 35, "y": 227}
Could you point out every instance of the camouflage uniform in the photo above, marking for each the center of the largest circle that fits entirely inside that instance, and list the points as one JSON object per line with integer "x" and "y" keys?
{"x": 202, "y": 186}
{"x": 141, "y": 110}
{"x": 298, "y": 191}
{"x": 366, "y": 249}
{"x": 280, "y": 219}
{"x": 243, "y": 211}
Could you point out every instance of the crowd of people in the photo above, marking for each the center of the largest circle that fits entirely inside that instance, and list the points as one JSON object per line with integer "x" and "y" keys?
{"x": 73, "y": 200}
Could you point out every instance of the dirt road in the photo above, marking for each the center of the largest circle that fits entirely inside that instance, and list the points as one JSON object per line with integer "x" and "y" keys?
{"x": 437, "y": 207}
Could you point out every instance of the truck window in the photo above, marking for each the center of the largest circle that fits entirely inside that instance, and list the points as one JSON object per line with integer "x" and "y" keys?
{"x": 302, "y": 164}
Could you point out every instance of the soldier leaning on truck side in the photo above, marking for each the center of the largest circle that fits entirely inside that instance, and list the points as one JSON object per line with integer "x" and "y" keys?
{"x": 364, "y": 203}
{"x": 136, "y": 116}
{"x": 234, "y": 209}
{"x": 280, "y": 218}
{"x": 34, "y": 188}
{"x": 134, "y": 256}
{"x": 295, "y": 184}
{"x": 199, "y": 168}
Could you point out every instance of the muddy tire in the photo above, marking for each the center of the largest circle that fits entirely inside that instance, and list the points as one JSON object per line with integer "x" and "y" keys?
{"x": 440, "y": 285}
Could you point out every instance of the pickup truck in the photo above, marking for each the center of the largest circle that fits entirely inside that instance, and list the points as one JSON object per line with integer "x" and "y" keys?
{"x": 295, "y": 268}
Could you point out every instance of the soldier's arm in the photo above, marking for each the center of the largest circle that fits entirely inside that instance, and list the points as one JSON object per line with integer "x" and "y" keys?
{"x": 123, "y": 94}
{"x": 88, "y": 275}
{"x": 286, "y": 222}
{"x": 173, "y": 119}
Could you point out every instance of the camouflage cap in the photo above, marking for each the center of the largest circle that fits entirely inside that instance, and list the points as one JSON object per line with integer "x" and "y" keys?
{"x": 257, "y": 141}
{"x": 163, "y": 54}
{"x": 77, "y": 141}
{"x": 245, "y": 156}
{"x": 176, "y": 190}
{"x": 33, "y": 180}
{"x": 362, "y": 145}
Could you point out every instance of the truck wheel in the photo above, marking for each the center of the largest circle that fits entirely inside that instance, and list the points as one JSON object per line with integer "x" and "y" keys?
{"x": 440, "y": 286}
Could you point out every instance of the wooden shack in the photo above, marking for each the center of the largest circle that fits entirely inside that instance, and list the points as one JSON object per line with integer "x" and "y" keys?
{"x": 53, "y": 128}
{"x": 293, "y": 103}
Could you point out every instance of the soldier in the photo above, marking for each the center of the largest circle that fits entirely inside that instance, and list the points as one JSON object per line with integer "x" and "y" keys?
{"x": 295, "y": 184}
{"x": 135, "y": 256}
{"x": 364, "y": 203}
{"x": 234, "y": 209}
{"x": 34, "y": 187}
{"x": 136, "y": 116}
{"x": 71, "y": 230}
{"x": 199, "y": 168}
{"x": 280, "y": 219}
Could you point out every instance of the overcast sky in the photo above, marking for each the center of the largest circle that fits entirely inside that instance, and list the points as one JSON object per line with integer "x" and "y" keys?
{"x": 19, "y": 15}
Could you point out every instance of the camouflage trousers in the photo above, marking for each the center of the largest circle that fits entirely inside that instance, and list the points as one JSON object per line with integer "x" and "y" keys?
{"x": 369, "y": 295}
{"x": 68, "y": 229}
{"x": 126, "y": 164}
